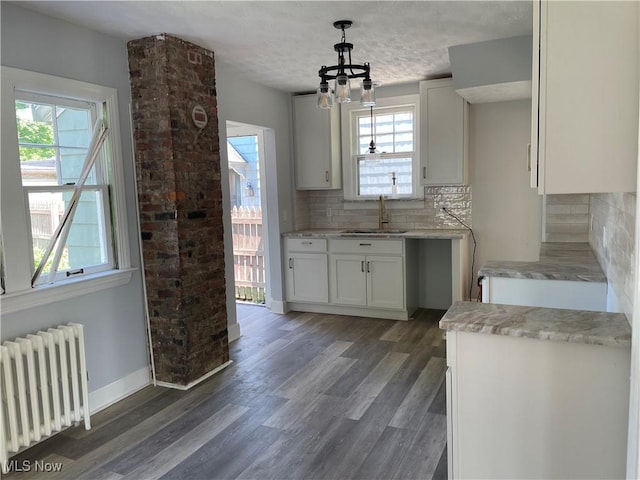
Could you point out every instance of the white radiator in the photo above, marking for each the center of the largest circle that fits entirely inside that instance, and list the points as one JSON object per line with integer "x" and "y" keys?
{"x": 43, "y": 387}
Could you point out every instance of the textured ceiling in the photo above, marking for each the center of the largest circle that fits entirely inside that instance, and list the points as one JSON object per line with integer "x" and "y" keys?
{"x": 283, "y": 44}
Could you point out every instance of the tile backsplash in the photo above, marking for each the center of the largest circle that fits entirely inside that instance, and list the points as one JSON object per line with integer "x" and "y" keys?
{"x": 313, "y": 207}
{"x": 566, "y": 218}
{"x": 607, "y": 222}
{"x": 612, "y": 239}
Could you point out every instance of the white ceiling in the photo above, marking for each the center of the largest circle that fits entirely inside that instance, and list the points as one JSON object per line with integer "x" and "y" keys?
{"x": 283, "y": 44}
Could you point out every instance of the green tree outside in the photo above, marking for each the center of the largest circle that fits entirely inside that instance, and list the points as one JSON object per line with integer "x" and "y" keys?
{"x": 34, "y": 132}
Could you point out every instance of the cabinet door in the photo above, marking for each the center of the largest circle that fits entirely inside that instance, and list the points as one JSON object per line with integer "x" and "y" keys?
{"x": 587, "y": 101}
{"x": 385, "y": 282}
{"x": 443, "y": 134}
{"x": 307, "y": 278}
{"x": 317, "y": 142}
{"x": 348, "y": 280}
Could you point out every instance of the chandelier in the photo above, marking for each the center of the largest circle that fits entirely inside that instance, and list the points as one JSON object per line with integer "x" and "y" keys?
{"x": 342, "y": 73}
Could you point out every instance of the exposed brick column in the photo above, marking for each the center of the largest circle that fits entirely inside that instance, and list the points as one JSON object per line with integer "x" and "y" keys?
{"x": 180, "y": 197}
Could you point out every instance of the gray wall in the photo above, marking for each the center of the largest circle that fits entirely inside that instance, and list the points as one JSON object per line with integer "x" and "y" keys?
{"x": 244, "y": 101}
{"x": 488, "y": 63}
{"x": 507, "y": 213}
{"x": 114, "y": 319}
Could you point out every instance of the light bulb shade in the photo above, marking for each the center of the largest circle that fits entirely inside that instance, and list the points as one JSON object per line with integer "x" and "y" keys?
{"x": 343, "y": 89}
{"x": 367, "y": 93}
{"x": 325, "y": 96}
{"x": 372, "y": 157}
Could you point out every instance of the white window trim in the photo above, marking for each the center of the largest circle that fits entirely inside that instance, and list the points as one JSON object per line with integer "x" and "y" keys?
{"x": 12, "y": 217}
{"x": 350, "y": 148}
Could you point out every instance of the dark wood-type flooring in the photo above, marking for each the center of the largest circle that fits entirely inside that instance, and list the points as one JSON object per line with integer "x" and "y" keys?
{"x": 309, "y": 396}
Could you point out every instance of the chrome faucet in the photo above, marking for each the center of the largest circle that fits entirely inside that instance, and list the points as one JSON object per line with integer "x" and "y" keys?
{"x": 383, "y": 217}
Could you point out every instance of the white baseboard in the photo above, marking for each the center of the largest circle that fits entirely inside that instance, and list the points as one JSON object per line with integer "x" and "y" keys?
{"x": 115, "y": 391}
{"x": 195, "y": 382}
{"x": 233, "y": 330}
{"x": 278, "y": 306}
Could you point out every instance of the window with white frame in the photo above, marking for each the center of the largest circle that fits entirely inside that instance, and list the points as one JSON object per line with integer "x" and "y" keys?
{"x": 54, "y": 134}
{"x": 393, "y": 170}
{"x": 51, "y": 126}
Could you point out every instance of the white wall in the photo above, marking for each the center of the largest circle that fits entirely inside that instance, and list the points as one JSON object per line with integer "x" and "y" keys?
{"x": 506, "y": 212}
{"x": 114, "y": 319}
{"x": 244, "y": 101}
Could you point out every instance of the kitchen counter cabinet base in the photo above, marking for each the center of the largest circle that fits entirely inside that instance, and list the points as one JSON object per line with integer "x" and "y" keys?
{"x": 527, "y": 408}
{"x": 545, "y": 293}
{"x": 403, "y": 270}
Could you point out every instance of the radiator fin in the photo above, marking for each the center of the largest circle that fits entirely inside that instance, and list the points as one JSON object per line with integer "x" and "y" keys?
{"x": 43, "y": 387}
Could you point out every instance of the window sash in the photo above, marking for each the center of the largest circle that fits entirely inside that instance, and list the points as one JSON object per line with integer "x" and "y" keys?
{"x": 383, "y": 156}
{"x": 395, "y": 129}
{"x": 98, "y": 174}
{"x": 104, "y": 225}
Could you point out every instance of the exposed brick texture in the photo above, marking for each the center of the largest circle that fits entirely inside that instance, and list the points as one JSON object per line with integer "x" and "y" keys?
{"x": 180, "y": 197}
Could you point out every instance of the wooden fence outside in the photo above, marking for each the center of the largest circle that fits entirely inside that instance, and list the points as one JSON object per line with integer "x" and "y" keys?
{"x": 248, "y": 254}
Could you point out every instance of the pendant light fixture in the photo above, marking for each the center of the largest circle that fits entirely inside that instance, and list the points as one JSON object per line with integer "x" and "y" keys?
{"x": 372, "y": 154}
{"x": 342, "y": 73}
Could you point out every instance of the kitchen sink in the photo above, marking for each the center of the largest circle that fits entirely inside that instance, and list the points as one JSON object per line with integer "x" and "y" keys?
{"x": 372, "y": 231}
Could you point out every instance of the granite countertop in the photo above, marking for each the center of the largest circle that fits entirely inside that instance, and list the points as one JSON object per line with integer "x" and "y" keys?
{"x": 558, "y": 261}
{"x": 560, "y": 325}
{"x": 391, "y": 233}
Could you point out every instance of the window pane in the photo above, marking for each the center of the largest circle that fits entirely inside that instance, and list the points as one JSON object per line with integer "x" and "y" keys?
{"x": 35, "y": 123}
{"x": 376, "y": 177}
{"x": 86, "y": 244}
{"x": 384, "y": 123}
{"x": 393, "y": 132}
{"x": 53, "y": 142}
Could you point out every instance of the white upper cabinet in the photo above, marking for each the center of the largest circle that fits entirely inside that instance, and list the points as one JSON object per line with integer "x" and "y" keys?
{"x": 317, "y": 145}
{"x": 443, "y": 134}
{"x": 585, "y": 97}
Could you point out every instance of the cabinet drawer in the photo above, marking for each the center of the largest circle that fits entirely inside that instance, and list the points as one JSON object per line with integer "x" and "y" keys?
{"x": 366, "y": 246}
{"x": 306, "y": 244}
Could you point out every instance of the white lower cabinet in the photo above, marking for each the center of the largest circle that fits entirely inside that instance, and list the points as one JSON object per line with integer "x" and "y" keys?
{"x": 355, "y": 276}
{"x": 369, "y": 280}
{"x": 307, "y": 271}
{"x": 529, "y": 408}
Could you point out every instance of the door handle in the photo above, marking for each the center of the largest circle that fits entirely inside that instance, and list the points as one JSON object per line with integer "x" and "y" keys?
{"x": 326, "y": 175}
{"x": 424, "y": 172}
{"x": 365, "y": 244}
{"x": 362, "y": 266}
{"x": 368, "y": 267}
{"x": 291, "y": 263}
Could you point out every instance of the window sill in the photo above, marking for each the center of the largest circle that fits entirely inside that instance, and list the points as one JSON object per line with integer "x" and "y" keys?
{"x": 76, "y": 287}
